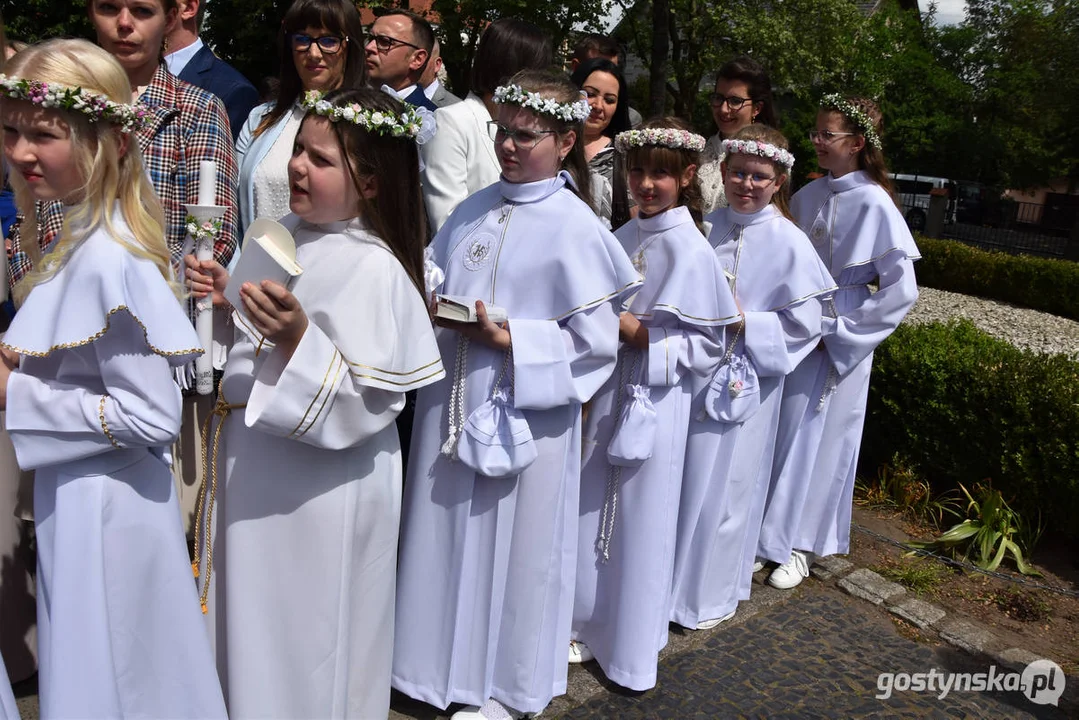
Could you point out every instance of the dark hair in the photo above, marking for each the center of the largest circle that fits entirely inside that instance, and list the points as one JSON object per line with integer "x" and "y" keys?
{"x": 395, "y": 162}
{"x": 674, "y": 161}
{"x": 508, "y": 46}
{"x": 753, "y": 74}
{"x": 591, "y": 45}
{"x": 422, "y": 32}
{"x": 770, "y": 135}
{"x": 557, "y": 86}
{"x": 870, "y": 159}
{"x": 620, "y": 119}
{"x": 339, "y": 17}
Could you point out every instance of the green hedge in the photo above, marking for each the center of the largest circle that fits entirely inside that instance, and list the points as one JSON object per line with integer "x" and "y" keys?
{"x": 1031, "y": 282}
{"x": 962, "y": 406}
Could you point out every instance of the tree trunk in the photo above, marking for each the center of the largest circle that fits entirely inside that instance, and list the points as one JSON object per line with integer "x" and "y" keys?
{"x": 657, "y": 78}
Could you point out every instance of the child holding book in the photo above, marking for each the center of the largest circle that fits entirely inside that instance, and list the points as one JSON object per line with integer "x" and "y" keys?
{"x": 776, "y": 278}
{"x": 852, "y": 219}
{"x": 670, "y": 330}
{"x": 87, "y": 382}
{"x": 489, "y": 536}
{"x": 299, "y": 520}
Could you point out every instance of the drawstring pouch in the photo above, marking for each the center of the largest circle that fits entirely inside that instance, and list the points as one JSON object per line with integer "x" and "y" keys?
{"x": 733, "y": 395}
{"x": 635, "y": 435}
{"x": 495, "y": 440}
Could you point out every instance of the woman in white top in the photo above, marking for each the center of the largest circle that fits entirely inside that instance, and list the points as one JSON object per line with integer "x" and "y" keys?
{"x": 461, "y": 159}
{"x": 324, "y": 39}
{"x": 743, "y": 95}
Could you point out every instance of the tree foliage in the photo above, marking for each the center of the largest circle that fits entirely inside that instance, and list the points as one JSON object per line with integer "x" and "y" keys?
{"x": 35, "y": 20}
{"x": 244, "y": 32}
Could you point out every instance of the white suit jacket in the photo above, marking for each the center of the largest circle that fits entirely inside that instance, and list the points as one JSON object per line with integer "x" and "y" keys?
{"x": 459, "y": 160}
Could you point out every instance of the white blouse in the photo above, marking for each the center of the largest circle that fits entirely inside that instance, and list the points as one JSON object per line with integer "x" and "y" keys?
{"x": 270, "y": 179}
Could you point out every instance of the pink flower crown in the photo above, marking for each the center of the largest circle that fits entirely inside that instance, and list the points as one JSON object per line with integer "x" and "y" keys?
{"x": 662, "y": 137}
{"x": 763, "y": 149}
{"x": 54, "y": 96}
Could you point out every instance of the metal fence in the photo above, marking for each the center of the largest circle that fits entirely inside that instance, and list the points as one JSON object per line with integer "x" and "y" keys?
{"x": 1013, "y": 227}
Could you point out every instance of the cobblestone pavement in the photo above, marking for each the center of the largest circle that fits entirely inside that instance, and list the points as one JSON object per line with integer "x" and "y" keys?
{"x": 811, "y": 652}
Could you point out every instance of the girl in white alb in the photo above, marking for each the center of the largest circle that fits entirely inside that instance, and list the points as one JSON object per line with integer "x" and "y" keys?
{"x": 776, "y": 279}
{"x": 489, "y": 535}
{"x": 301, "y": 543}
{"x": 87, "y": 380}
{"x": 635, "y": 437}
{"x": 852, "y": 219}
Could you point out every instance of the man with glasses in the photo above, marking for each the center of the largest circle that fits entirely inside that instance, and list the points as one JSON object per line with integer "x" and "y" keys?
{"x": 190, "y": 60}
{"x": 398, "y": 49}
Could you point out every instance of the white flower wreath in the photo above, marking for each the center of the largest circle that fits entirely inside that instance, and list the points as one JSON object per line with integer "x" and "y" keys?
{"x": 763, "y": 149}
{"x": 664, "y": 137}
{"x": 567, "y": 112}
{"x": 856, "y": 115}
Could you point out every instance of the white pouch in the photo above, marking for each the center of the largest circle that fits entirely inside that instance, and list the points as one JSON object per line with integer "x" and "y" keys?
{"x": 635, "y": 435}
{"x": 733, "y": 395}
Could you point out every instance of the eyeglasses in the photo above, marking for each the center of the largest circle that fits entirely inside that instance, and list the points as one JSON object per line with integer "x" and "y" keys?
{"x": 327, "y": 43}
{"x": 385, "y": 43}
{"x": 734, "y": 102}
{"x": 754, "y": 179}
{"x": 522, "y": 139}
{"x": 826, "y": 136}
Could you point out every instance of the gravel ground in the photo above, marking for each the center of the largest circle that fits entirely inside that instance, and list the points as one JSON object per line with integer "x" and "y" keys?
{"x": 1030, "y": 329}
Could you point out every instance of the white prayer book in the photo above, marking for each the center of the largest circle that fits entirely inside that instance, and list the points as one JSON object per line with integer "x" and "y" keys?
{"x": 268, "y": 253}
{"x": 463, "y": 309}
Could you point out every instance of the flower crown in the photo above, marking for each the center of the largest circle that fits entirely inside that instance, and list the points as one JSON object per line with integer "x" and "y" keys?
{"x": 856, "y": 115}
{"x": 575, "y": 111}
{"x": 55, "y": 96}
{"x": 757, "y": 147}
{"x": 674, "y": 138}
{"x": 408, "y": 124}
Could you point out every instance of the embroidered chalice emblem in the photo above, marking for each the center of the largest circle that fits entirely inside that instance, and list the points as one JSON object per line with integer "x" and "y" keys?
{"x": 817, "y": 233}
{"x": 478, "y": 252}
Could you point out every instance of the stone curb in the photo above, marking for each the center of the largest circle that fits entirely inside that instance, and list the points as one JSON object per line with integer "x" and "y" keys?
{"x": 956, "y": 631}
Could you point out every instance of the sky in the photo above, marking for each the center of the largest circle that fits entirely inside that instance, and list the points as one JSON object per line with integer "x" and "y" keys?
{"x": 949, "y": 12}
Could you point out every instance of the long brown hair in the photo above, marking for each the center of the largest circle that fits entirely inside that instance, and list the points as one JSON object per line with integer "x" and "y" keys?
{"x": 341, "y": 18}
{"x": 395, "y": 162}
{"x": 765, "y": 134}
{"x": 870, "y": 158}
{"x": 674, "y": 161}
{"x": 558, "y": 87}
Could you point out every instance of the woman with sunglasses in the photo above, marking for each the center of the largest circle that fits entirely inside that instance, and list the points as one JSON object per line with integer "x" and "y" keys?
{"x": 743, "y": 95}
{"x": 321, "y": 48}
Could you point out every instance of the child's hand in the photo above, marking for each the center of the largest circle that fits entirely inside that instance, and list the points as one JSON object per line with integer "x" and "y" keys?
{"x": 275, "y": 312}
{"x": 483, "y": 330}
{"x": 206, "y": 277}
{"x": 632, "y": 332}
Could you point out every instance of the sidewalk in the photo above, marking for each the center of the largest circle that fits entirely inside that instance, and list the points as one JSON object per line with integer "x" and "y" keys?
{"x": 816, "y": 651}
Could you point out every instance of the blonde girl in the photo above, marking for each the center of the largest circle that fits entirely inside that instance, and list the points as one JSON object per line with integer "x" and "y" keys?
{"x": 859, "y": 233}
{"x": 87, "y": 382}
{"x": 775, "y": 277}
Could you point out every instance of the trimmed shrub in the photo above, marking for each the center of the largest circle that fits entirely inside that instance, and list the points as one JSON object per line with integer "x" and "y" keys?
{"x": 961, "y": 406}
{"x": 1031, "y": 282}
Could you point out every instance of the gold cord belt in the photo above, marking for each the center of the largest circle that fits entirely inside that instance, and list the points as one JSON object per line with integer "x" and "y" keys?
{"x": 209, "y": 480}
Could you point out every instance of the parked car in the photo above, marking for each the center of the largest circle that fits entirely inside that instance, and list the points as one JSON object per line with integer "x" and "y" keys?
{"x": 913, "y": 191}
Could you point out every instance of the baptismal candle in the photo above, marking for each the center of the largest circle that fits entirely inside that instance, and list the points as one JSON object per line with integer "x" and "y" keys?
{"x": 207, "y": 182}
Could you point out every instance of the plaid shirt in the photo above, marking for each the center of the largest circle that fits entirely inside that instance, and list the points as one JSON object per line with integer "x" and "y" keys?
{"x": 186, "y": 125}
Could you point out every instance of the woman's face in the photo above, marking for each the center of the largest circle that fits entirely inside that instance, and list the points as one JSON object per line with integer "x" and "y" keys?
{"x": 318, "y": 68}
{"x": 602, "y": 91}
{"x": 132, "y": 31}
{"x": 732, "y": 106}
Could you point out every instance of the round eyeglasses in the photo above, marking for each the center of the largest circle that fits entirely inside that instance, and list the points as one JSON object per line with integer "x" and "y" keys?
{"x": 827, "y": 136}
{"x": 734, "y": 102}
{"x": 522, "y": 139}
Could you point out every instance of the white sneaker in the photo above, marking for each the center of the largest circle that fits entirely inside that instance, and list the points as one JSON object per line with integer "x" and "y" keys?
{"x": 709, "y": 624}
{"x": 758, "y": 565}
{"x": 579, "y": 653}
{"x": 791, "y": 573}
{"x": 491, "y": 710}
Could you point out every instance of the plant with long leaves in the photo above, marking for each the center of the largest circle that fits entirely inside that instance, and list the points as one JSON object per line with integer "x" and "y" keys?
{"x": 987, "y": 535}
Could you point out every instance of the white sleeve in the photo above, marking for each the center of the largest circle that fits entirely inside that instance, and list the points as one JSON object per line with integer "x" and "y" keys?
{"x": 52, "y": 422}
{"x": 854, "y": 336}
{"x": 777, "y": 342}
{"x": 315, "y": 399}
{"x": 445, "y": 169}
{"x": 558, "y": 363}
{"x": 677, "y": 348}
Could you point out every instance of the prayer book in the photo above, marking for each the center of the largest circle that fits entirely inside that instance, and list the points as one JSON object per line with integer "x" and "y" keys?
{"x": 268, "y": 253}
{"x": 463, "y": 309}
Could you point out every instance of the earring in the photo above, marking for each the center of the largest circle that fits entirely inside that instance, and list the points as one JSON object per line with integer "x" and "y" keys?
{"x": 165, "y": 46}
